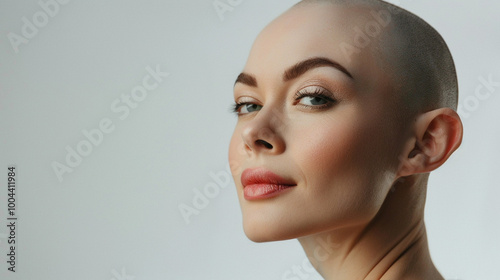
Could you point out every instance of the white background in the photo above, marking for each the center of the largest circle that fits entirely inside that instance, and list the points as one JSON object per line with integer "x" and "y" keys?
{"x": 116, "y": 215}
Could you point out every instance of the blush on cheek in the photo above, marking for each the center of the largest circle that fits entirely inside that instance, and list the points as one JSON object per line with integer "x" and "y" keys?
{"x": 339, "y": 163}
{"x": 324, "y": 149}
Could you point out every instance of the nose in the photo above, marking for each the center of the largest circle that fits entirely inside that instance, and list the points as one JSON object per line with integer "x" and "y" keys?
{"x": 262, "y": 134}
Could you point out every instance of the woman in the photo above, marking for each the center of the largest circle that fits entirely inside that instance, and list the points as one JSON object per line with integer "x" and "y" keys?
{"x": 344, "y": 108}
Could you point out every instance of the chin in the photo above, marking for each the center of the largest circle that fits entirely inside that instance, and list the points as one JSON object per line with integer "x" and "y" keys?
{"x": 260, "y": 235}
{"x": 261, "y": 230}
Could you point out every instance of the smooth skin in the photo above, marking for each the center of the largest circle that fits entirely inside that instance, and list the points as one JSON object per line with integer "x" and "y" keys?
{"x": 360, "y": 164}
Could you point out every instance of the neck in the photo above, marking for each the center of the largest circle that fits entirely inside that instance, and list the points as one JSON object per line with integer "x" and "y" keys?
{"x": 393, "y": 245}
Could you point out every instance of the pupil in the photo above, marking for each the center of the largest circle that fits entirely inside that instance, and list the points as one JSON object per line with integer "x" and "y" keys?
{"x": 317, "y": 101}
{"x": 252, "y": 107}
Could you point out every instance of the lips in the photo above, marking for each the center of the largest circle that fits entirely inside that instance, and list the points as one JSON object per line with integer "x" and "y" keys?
{"x": 260, "y": 183}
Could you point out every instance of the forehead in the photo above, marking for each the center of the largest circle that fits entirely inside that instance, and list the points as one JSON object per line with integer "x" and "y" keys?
{"x": 319, "y": 30}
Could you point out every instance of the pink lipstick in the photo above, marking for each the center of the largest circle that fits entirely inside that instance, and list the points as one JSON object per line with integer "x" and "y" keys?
{"x": 260, "y": 183}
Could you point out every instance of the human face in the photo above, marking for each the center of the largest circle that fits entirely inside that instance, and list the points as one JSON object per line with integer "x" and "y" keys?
{"x": 326, "y": 128}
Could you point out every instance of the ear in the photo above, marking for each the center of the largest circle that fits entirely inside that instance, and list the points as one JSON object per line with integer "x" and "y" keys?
{"x": 436, "y": 135}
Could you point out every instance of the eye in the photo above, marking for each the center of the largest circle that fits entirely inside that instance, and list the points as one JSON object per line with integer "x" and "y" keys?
{"x": 245, "y": 108}
{"x": 315, "y": 98}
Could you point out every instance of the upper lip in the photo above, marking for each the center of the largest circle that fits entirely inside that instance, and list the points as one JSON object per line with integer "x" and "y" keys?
{"x": 260, "y": 175}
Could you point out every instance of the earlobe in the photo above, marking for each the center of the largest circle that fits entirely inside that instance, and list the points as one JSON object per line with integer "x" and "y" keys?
{"x": 437, "y": 134}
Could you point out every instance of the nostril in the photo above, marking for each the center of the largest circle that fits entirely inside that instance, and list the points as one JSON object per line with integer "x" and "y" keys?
{"x": 264, "y": 143}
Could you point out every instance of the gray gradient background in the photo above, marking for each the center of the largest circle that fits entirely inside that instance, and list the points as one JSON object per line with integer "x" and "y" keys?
{"x": 116, "y": 215}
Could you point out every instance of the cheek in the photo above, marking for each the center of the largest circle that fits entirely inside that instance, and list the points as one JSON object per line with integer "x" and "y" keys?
{"x": 341, "y": 168}
{"x": 329, "y": 148}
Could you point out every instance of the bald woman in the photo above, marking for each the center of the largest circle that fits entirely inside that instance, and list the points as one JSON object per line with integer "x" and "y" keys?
{"x": 344, "y": 108}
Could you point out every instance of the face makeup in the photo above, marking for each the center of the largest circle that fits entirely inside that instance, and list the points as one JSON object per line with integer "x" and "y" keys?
{"x": 260, "y": 183}
{"x": 312, "y": 142}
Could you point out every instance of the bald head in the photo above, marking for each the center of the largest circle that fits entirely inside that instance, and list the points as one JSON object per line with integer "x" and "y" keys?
{"x": 412, "y": 52}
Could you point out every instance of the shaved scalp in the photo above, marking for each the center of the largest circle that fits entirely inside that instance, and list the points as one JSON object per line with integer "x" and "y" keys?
{"x": 414, "y": 54}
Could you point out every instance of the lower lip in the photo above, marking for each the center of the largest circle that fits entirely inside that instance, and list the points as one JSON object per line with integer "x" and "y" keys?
{"x": 263, "y": 191}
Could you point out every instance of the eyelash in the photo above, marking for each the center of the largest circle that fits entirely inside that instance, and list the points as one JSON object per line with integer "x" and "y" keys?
{"x": 318, "y": 92}
{"x": 236, "y": 106}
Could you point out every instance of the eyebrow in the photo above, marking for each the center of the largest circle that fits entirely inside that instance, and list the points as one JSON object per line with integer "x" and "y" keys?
{"x": 246, "y": 79}
{"x": 296, "y": 70}
{"x": 308, "y": 64}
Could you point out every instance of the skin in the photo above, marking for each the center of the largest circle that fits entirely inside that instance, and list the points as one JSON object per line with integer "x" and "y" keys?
{"x": 360, "y": 164}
